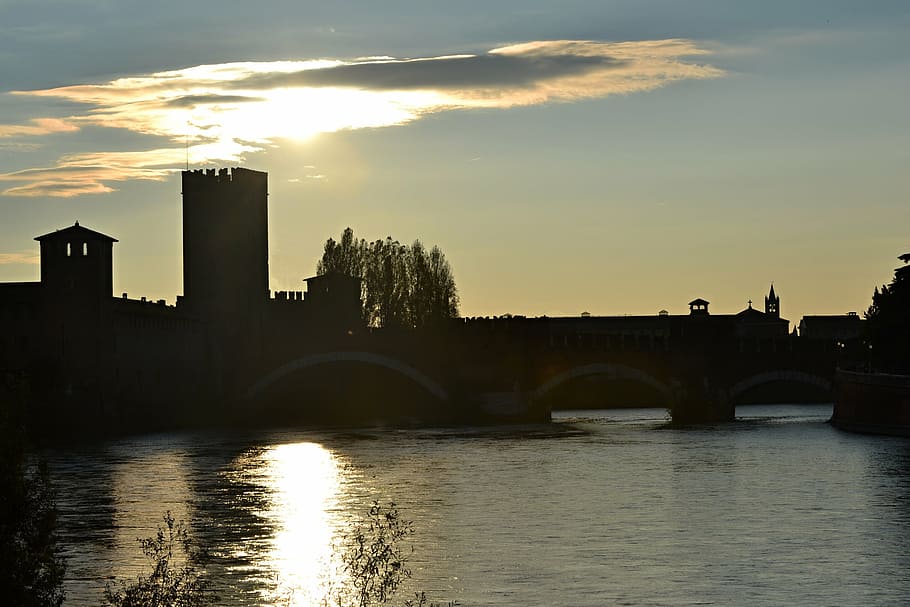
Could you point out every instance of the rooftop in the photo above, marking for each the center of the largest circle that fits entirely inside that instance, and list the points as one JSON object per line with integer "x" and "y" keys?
{"x": 75, "y": 231}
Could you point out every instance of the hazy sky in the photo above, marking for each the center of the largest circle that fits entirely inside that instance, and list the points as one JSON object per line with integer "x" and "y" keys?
{"x": 610, "y": 157}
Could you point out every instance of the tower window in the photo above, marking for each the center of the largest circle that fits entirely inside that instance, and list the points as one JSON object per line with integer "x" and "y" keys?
{"x": 69, "y": 249}
{"x": 85, "y": 248}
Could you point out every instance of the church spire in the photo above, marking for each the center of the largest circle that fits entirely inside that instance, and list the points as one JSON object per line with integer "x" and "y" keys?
{"x": 772, "y": 303}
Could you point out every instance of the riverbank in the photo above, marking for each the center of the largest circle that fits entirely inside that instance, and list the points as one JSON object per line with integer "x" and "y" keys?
{"x": 872, "y": 403}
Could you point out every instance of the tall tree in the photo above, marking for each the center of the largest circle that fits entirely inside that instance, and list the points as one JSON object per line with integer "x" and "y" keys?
{"x": 888, "y": 322}
{"x": 419, "y": 282}
{"x": 401, "y": 286}
{"x": 442, "y": 292}
{"x": 343, "y": 257}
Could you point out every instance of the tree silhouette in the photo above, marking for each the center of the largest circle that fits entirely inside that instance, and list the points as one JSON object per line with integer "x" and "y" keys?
{"x": 401, "y": 286}
{"x": 888, "y": 322}
{"x": 31, "y": 566}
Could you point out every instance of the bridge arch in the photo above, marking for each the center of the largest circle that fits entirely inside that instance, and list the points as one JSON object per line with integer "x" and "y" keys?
{"x": 369, "y": 358}
{"x": 608, "y": 370}
{"x": 765, "y": 377}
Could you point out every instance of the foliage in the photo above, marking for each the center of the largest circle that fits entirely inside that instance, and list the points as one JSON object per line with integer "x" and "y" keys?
{"x": 888, "y": 323}
{"x": 373, "y": 566}
{"x": 177, "y": 578}
{"x": 31, "y": 567}
{"x": 374, "y": 561}
{"x": 402, "y": 286}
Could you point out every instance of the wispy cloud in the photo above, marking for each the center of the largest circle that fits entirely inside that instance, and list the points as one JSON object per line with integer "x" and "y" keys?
{"x": 222, "y": 112}
{"x": 90, "y": 173}
{"x": 27, "y": 258}
{"x": 76, "y": 180}
{"x": 37, "y": 127}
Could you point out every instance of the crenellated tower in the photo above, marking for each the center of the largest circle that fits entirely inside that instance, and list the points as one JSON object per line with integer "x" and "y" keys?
{"x": 225, "y": 238}
{"x": 226, "y": 262}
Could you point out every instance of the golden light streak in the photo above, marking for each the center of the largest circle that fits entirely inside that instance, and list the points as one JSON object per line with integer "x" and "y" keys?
{"x": 303, "y": 481}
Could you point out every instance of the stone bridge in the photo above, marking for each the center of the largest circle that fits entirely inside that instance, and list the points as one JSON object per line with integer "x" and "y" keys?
{"x": 476, "y": 377}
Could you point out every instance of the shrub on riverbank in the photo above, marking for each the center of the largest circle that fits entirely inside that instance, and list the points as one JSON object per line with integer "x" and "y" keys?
{"x": 374, "y": 561}
{"x": 176, "y": 579}
{"x": 373, "y": 567}
{"x": 31, "y": 567}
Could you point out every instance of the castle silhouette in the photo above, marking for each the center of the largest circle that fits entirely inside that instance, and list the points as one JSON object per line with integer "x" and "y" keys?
{"x": 85, "y": 352}
{"x": 81, "y": 347}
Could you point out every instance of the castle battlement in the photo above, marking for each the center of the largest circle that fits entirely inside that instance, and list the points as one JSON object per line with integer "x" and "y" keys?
{"x": 289, "y": 296}
{"x": 238, "y": 175}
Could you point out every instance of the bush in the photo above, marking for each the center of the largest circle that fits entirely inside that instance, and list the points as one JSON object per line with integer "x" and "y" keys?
{"x": 31, "y": 567}
{"x": 374, "y": 561}
{"x": 177, "y": 578}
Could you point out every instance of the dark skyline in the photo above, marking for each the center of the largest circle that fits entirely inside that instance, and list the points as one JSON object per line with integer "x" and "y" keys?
{"x": 750, "y": 144}
{"x": 230, "y": 345}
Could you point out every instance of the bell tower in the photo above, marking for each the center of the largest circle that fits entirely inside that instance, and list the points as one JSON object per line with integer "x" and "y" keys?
{"x": 772, "y": 303}
{"x": 77, "y": 264}
{"x": 77, "y": 285}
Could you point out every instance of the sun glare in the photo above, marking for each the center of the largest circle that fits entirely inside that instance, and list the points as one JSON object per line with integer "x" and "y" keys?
{"x": 297, "y": 113}
{"x": 221, "y": 113}
{"x": 304, "y": 480}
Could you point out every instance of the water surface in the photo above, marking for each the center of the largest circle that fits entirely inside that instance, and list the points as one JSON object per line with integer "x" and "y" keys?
{"x": 598, "y": 508}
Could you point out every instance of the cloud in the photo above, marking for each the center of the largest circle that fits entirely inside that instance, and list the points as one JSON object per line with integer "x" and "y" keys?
{"x": 209, "y": 99}
{"x": 83, "y": 174}
{"x": 38, "y": 127}
{"x": 91, "y": 173}
{"x": 446, "y": 73}
{"x": 19, "y": 258}
{"x": 222, "y": 112}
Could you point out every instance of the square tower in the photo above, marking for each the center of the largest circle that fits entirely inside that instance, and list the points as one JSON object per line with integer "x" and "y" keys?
{"x": 77, "y": 264}
{"x": 225, "y": 239}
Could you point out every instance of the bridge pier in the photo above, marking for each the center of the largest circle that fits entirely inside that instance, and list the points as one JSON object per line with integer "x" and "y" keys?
{"x": 701, "y": 402}
{"x": 516, "y": 406}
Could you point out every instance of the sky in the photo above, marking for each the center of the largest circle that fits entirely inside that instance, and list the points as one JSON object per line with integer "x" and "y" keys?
{"x": 599, "y": 156}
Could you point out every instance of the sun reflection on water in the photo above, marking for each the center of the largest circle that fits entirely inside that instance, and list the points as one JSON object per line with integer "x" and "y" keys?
{"x": 304, "y": 480}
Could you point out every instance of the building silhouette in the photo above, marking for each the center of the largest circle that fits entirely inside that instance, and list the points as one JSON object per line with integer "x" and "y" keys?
{"x": 832, "y": 327}
{"x": 82, "y": 349}
{"x": 87, "y": 354}
{"x": 747, "y": 330}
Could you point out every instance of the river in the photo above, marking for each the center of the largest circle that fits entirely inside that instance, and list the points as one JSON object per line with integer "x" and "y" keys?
{"x": 599, "y": 508}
